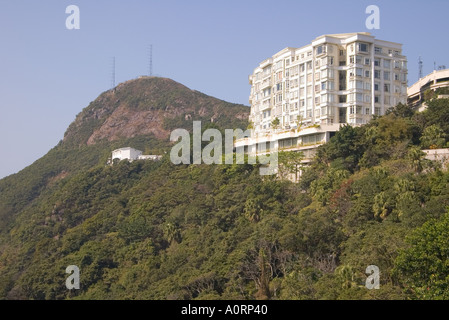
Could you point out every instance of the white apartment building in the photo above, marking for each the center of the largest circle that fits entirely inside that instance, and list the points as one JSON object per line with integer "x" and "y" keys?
{"x": 312, "y": 90}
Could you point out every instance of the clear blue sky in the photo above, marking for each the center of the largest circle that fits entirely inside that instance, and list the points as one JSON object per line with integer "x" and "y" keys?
{"x": 48, "y": 73}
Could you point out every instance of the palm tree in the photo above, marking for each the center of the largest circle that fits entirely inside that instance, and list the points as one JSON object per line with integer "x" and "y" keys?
{"x": 415, "y": 156}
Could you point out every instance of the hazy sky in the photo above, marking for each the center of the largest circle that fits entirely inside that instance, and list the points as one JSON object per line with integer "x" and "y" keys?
{"x": 48, "y": 73}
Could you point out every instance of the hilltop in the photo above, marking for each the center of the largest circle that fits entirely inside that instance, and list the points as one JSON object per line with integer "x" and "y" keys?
{"x": 150, "y": 105}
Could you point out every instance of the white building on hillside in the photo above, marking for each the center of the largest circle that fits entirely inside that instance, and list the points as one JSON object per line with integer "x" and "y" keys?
{"x": 312, "y": 90}
{"x": 433, "y": 81}
{"x": 132, "y": 154}
{"x": 126, "y": 154}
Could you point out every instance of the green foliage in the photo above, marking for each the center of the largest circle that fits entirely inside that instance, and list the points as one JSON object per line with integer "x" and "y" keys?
{"x": 153, "y": 230}
{"x": 433, "y": 137}
{"x": 275, "y": 123}
{"x": 424, "y": 266}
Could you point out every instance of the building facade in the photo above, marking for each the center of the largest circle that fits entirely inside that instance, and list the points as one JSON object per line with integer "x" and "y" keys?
{"x": 336, "y": 79}
{"x": 433, "y": 81}
{"x": 126, "y": 154}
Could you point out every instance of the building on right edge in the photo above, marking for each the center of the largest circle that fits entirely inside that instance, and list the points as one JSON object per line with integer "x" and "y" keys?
{"x": 311, "y": 91}
{"x": 430, "y": 83}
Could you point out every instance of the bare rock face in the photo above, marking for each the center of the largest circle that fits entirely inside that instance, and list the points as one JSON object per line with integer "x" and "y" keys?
{"x": 150, "y": 105}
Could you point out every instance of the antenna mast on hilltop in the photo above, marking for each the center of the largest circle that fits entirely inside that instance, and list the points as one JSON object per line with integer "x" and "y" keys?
{"x": 113, "y": 74}
{"x": 150, "y": 66}
{"x": 420, "y": 67}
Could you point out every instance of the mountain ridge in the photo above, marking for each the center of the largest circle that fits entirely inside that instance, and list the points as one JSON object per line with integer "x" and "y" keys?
{"x": 148, "y": 105}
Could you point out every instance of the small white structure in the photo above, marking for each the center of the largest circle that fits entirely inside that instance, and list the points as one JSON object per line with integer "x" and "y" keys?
{"x": 131, "y": 154}
{"x": 126, "y": 153}
{"x": 149, "y": 157}
{"x": 440, "y": 155}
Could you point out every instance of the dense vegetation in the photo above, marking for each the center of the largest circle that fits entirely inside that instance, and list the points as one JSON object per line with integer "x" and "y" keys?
{"x": 153, "y": 230}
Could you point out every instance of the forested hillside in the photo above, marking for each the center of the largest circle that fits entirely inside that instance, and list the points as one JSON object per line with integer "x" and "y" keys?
{"x": 154, "y": 230}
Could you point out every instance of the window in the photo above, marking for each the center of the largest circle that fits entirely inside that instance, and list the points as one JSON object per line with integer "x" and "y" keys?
{"x": 386, "y": 87}
{"x": 376, "y": 99}
{"x": 351, "y": 59}
{"x": 387, "y": 64}
{"x": 309, "y": 90}
{"x": 366, "y": 110}
{"x": 309, "y": 54}
{"x": 367, "y": 99}
{"x": 377, "y": 62}
{"x": 359, "y": 97}
{"x": 359, "y": 72}
{"x": 309, "y": 65}
{"x": 351, "y": 109}
{"x": 377, "y": 50}
{"x": 317, "y": 76}
{"x": 331, "y": 61}
{"x": 367, "y": 86}
{"x": 279, "y": 87}
{"x": 301, "y": 80}
{"x": 358, "y": 59}
{"x": 367, "y": 61}
{"x": 302, "y": 67}
{"x": 317, "y": 63}
{"x": 323, "y": 73}
{"x": 301, "y": 92}
{"x": 279, "y": 76}
{"x": 317, "y": 100}
{"x": 342, "y": 99}
{"x": 323, "y": 85}
{"x": 309, "y": 113}
{"x": 359, "y": 84}
{"x": 342, "y": 53}
{"x": 396, "y": 77}
{"x": 377, "y": 111}
{"x": 363, "y": 47}
{"x": 317, "y": 88}
{"x": 309, "y": 77}
{"x": 367, "y": 73}
{"x": 387, "y": 75}
{"x": 376, "y": 74}
{"x": 376, "y": 87}
{"x": 302, "y": 102}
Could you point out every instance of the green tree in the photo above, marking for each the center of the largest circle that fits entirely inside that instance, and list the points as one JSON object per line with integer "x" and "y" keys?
{"x": 275, "y": 123}
{"x": 289, "y": 163}
{"x": 415, "y": 156}
{"x": 424, "y": 266}
{"x": 299, "y": 123}
{"x": 433, "y": 137}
